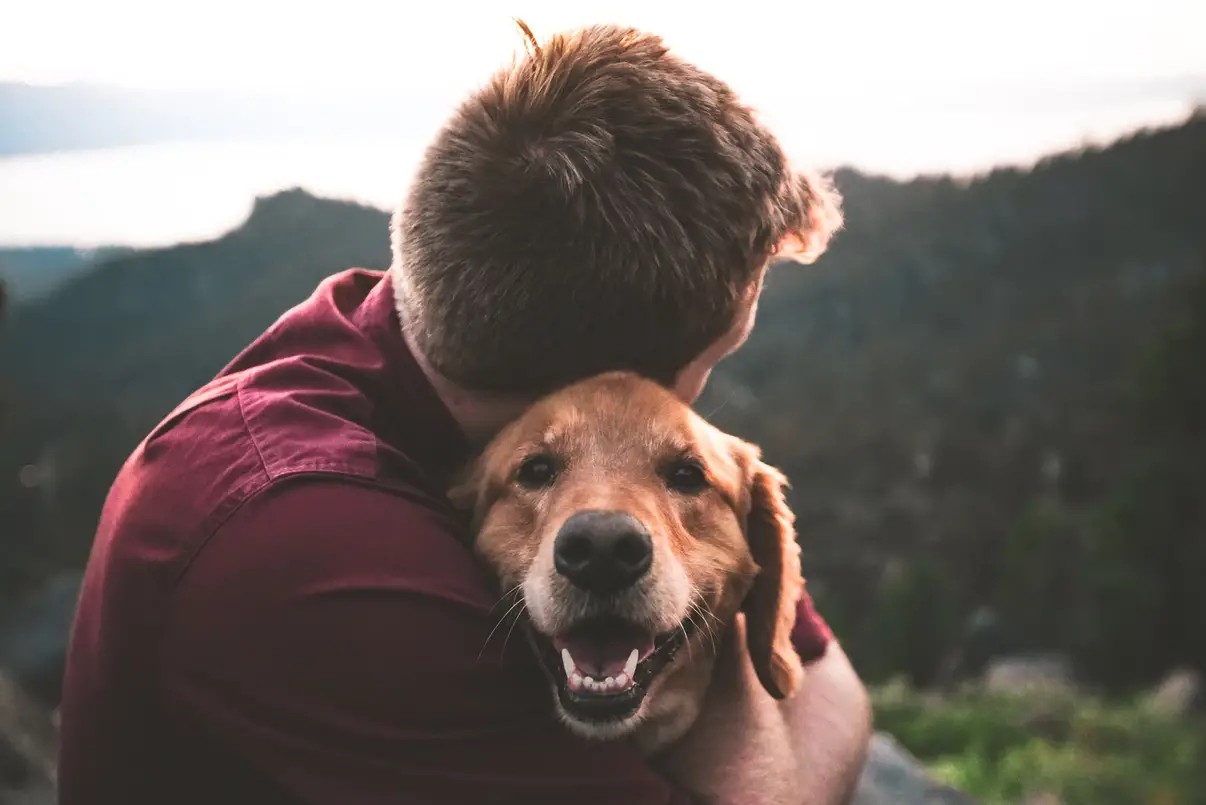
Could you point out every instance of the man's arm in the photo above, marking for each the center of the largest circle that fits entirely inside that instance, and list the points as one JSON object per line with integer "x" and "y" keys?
{"x": 335, "y": 640}
{"x": 830, "y": 723}
{"x": 807, "y": 750}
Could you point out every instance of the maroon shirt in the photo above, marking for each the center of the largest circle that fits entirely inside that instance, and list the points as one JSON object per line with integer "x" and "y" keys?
{"x": 280, "y": 606}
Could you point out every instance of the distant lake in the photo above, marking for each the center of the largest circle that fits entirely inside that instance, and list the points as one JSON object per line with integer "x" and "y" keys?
{"x": 163, "y": 194}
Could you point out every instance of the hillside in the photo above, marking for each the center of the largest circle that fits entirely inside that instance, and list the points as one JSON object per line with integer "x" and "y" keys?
{"x": 965, "y": 357}
{"x": 949, "y": 375}
{"x": 87, "y": 370}
{"x": 31, "y": 273}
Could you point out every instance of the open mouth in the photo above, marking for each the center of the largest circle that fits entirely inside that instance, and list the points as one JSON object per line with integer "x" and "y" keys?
{"x": 603, "y": 666}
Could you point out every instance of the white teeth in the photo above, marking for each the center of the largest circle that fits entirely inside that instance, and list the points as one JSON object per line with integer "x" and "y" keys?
{"x": 611, "y": 684}
{"x": 630, "y": 666}
{"x": 568, "y": 662}
{"x": 579, "y": 681}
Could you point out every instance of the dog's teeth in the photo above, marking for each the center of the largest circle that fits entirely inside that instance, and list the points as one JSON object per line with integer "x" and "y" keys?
{"x": 610, "y": 683}
{"x": 567, "y": 661}
{"x": 622, "y": 681}
{"x": 630, "y": 666}
{"x": 576, "y": 681}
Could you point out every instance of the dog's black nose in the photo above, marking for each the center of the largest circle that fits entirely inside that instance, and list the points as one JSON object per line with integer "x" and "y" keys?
{"x": 603, "y": 551}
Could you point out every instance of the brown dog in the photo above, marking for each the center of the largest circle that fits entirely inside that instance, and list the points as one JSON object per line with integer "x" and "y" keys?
{"x": 630, "y": 533}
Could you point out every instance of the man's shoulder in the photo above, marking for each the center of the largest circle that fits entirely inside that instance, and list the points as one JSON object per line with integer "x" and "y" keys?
{"x": 245, "y": 432}
{"x": 341, "y": 533}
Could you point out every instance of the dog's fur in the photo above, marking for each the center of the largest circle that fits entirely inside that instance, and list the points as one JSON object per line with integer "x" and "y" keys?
{"x": 616, "y": 440}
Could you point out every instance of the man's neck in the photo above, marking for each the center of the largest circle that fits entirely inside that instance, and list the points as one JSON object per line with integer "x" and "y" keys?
{"x": 479, "y": 415}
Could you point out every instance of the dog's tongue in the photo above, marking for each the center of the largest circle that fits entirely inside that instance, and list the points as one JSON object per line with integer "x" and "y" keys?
{"x": 602, "y": 649}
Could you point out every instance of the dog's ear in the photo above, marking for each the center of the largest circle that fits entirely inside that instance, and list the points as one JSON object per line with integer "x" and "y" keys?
{"x": 467, "y": 490}
{"x": 770, "y": 605}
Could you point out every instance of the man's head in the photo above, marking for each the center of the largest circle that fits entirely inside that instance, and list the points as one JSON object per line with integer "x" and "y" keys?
{"x": 599, "y": 204}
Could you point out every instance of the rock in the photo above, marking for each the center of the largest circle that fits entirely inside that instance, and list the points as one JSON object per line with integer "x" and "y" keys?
{"x": 1178, "y": 695}
{"x": 37, "y": 795}
{"x": 892, "y": 776}
{"x": 1029, "y": 674}
{"x": 1043, "y": 799}
{"x": 986, "y": 637}
{"x": 28, "y": 746}
{"x": 33, "y": 638}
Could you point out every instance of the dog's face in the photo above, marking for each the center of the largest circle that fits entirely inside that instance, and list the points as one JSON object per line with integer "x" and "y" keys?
{"x": 632, "y": 529}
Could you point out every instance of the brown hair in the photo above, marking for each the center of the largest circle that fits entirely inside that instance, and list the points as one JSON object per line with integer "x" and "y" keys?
{"x": 599, "y": 204}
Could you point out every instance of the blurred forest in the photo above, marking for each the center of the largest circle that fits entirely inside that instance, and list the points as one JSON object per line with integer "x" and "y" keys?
{"x": 988, "y": 393}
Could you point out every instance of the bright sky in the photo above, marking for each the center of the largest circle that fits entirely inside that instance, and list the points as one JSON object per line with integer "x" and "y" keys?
{"x": 829, "y": 76}
{"x": 894, "y": 86}
{"x": 442, "y": 45}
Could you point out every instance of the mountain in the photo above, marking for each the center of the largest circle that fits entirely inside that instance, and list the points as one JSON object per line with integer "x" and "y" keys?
{"x": 31, "y": 273}
{"x": 144, "y": 329}
{"x": 950, "y": 390}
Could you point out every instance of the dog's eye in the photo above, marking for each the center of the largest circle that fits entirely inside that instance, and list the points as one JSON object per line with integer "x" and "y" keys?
{"x": 536, "y": 472}
{"x": 686, "y": 476}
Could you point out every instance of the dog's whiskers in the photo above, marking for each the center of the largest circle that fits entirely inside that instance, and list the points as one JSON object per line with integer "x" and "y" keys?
{"x": 519, "y": 602}
{"x": 706, "y": 627}
{"x": 515, "y": 620}
{"x": 686, "y": 637}
{"x": 507, "y": 595}
{"x": 708, "y": 417}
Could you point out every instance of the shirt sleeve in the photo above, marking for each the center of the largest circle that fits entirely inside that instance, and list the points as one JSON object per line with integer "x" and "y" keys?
{"x": 811, "y": 635}
{"x": 342, "y": 642}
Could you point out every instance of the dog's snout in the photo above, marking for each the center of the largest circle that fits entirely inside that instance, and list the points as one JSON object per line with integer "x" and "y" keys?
{"x": 603, "y": 551}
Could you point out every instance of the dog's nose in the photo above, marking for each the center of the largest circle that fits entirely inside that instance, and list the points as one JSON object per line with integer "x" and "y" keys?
{"x": 603, "y": 551}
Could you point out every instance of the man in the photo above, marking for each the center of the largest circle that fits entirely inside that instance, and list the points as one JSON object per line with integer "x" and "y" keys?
{"x": 281, "y": 606}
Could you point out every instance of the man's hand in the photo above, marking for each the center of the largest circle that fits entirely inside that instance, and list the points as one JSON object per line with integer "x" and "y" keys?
{"x": 750, "y": 748}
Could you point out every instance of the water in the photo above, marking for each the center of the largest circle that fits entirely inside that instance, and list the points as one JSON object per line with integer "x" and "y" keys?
{"x": 163, "y": 194}
{"x": 157, "y": 195}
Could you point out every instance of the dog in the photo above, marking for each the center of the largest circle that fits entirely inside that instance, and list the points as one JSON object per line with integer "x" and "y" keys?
{"x": 630, "y": 533}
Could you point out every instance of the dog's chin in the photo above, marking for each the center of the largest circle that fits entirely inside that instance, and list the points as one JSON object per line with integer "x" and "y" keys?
{"x": 603, "y": 670}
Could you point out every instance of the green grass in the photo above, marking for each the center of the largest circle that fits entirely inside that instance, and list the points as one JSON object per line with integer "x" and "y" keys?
{"x": 1081, "y": 750}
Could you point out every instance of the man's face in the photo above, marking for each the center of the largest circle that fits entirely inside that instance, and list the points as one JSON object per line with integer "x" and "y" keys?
{"x": 691, "y": 381}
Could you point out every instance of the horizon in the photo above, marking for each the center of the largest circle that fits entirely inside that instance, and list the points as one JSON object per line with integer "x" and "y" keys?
{"x": 152, "y": 213}
{"x": 819, "y": 69}
{"x": 938, "y": 87}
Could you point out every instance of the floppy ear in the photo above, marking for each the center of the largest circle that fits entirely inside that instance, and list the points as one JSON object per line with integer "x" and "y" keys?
{"x": 770, "y": 605}
{"x": 465, "y": 492}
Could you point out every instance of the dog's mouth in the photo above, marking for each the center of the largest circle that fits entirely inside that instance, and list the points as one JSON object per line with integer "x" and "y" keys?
{"x": 603, "y": 666}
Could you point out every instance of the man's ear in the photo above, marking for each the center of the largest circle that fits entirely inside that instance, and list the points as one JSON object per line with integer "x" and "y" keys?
{"x": 770, "y": 605}
{"x": 814, "y": 201}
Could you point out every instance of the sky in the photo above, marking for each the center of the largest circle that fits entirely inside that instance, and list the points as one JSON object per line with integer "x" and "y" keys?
{"x": 773, "y": 49}
{"x": 845, "y": 64}
{"x": 899, "y": 87}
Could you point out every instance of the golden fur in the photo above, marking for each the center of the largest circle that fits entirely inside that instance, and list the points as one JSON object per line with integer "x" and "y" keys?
{"x": 729, "y": 546}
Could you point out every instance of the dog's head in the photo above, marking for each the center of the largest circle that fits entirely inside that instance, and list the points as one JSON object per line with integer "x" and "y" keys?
{"x": 633, "y": 529}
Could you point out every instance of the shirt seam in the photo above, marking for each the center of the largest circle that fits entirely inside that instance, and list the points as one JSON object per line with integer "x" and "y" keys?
{"x": 249, "y": 430}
